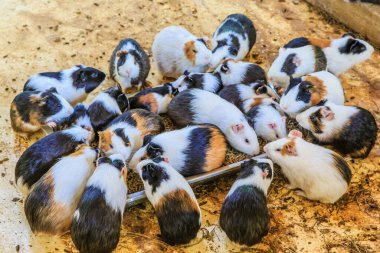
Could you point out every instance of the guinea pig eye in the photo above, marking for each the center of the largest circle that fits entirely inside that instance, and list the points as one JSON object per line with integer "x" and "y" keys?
{"x": 111, "y": 146}
{"x": 94, "y": 75}
{"x": 278, "y": 150}
{"x": 224, "y": 68}
{"x": 195, "y": 51}
{"x": 246, "y": 141}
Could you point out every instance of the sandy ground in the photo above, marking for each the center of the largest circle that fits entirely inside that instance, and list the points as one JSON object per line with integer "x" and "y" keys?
{"x": 47, "y": 35}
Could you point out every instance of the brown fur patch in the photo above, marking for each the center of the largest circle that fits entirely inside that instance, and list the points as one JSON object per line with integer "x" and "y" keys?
{"x": 121, "y": 52}
{"x": 318, "y": 92}
{"x": 79, "y": 151}
{"x": 180, "y": 195}
{"x": 150, "y": 99}
{"x": 105, "y": 140}
{"x": 146, "y": 124}
{"x": 140, "y": 123}
{"x": 286, "y": 149}
{"x": 216, "y": 152}
{"x": 189, "y": 51}
{"x": 255, "y": 102}
{"x": 322, "y": 43}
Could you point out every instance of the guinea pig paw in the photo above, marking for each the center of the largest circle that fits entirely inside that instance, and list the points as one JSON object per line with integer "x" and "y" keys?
{"x": 290, "y": 187}
{"x": 300, "y": 193}
{"x": 52, "y": 124}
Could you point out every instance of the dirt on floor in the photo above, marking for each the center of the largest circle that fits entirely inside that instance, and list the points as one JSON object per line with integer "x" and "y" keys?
{"x": 47, "y": 35}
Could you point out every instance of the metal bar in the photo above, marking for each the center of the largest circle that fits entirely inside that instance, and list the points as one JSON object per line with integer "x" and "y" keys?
{"x": 139, "y": 197}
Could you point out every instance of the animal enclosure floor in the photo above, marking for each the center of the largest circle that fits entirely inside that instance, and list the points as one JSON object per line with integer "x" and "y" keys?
{"x": 48, "y": 35}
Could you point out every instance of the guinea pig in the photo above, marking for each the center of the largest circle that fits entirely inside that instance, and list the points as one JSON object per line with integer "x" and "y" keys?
{"x": 235, "y": 72}
{"x": 233, "y": 39}
{"x": 30, "y": 110}
{"x": 197, "y": 106}
{"x": 154, "y": 99}
{"x": 351, "y": 130}
{"x": 319, "y": 173}
{"x": 51, "y": 204}
{"x": 311, "y": 90}
{"x": 267, "y": 121}
{"x": 206, "y": 81}
{"x": 129, "y": 65}
{"x": 174, "y": 202}
{"x": 79, "y": 117}
{"x": 43, "y": 154}
{"x": 126, "y": 132}
{"x": 176, "y": 50}
{"x": 98, "y": 217}
{"x": 73, "y": 84}
{"x": 191, "y": 150}
{"x": 302, "y": 56}
{"x": 244, "y": 215}
{"x": 106, "y": 106}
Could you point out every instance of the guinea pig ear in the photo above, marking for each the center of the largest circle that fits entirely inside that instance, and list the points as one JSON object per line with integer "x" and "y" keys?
{"x": 186, "y": 72}
{"x": 52, "y": 90}
{"x": 147, "y": 139}
{"x": 295, "y": 133}
{"x": 233, "y": 51}
{"x": 281, "y": 50}
{"x": 121, "y": 53}
{"x": 348, "y": 34}
{"x": 238, "y": 128}
{"x": 290, "y": 148}
{"x": 103, "y": 160}
{"x": 283, "y": 118}
{"x": 327, "y": 113}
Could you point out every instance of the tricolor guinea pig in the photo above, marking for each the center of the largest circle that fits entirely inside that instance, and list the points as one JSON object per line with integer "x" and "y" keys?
{"x": 302, "y": 56}
{"x": 174, "y": 202}
{"x": 311, "y": 90}
{"x": 233, "y": 39}
{"x": 351, "y": 130}
{"x": 319, "y": 173}
{"x": 73, "y": 84}
{"x": 98, "y": 217}
{"x": 43, "y": 154}
{"x": 129, "y": 65}
{"x": 30, "y": 110}
{"x": 191, "y": 150}
{"x": 235, "y": 72}
{"x": 125, "y": 133}
{"x": 79, "y": 117}
{"x": 267, "y": 121}
{"x": 154, "y": 99}
{"x": 106, "y": 106}
{"x": 197, "y": 106}
{"x": 206, "y": 81}
{"x": 176, "y": 50}
{"x": 244, "y": 215}
{"x": 51, "y": 204}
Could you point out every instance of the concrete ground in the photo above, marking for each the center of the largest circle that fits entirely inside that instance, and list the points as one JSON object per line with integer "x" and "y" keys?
{"x": 50, "y": 35}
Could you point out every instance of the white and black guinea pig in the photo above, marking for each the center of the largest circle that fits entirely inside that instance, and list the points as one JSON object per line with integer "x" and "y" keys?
{"x": 176, "y": 50}
{"x": 268, "y": 121}
{"x": 97, "y": 220}
{"x": 174, "y": 202}
{"x": 319, "y": 173}
{"x": 197, "y": 106}
{"x": 129, "y": 65}
{"x": 154, "y": 99}
{"x": 30, "y": 110}
{"x": 43, "y": 154}
{"x": 206, "y": 81}
{"x": 233, "y": 39}
{"x": 79, "y": 117}
{"x": 191, "y": 150}
{"x": 106, "y": 106}
{"x": 125, "y": 134}
{"x": 73, "y": 84}
{"x": 235, "y": 72}
{"x": 51, "y": 204}
{"x": 311, "y": 90}
{"x": 351, "y": 130}
{"x": 244, "y": 215}
{"x": 302, "y": 56}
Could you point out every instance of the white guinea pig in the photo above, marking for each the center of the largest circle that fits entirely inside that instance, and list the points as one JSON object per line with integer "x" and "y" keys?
{"x": 176, "y": 50}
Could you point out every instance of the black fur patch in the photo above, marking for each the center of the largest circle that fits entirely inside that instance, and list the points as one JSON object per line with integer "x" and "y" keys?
{"x": 179, "y": 109}
{"x": 87, "y": 78}
{"x": 120, "y": 132}
{"x": 102, "y": 160}
{"x": 352, "y": 47}
{"x": 147, "y": 139}
{"x": 118, "y": 164}
{"x": 155, "y": 175}
{"x": 315, "y": 119}
{"x": 297, "y": 42}
{"x": 289, "y": 66}
{"x": 254, "y": 74}
{"x": 246, "y": 169}
{"x": 125, "y": 117}
{"x": 265, "y": 166}
{"x": 320, "y": 59}
{"x": 154, "y": 150}
{"x": 293, "y": 82}
{"x": 235, "y": 47}
{"x": 252, "y": 116}
{"x": 231, "y": 94}
{"x": 54, "y": 75}
{"x": 100, "y": 117}
{"x": 80, "y": 111}
{"x": 244, "y": 215}
{"x": 220, "y": 43}
{"x": 343, "y": 167}
{"x": 304, "y": 93}
{"x": 98, "y": 227}
{"x": 202, "y": 40}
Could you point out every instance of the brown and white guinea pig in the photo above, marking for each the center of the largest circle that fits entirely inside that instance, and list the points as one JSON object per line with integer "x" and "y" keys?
{"x": 125, "y": 134}
{"x": 176, "y": 50}
{"x": 351, "y": 130}
{"x": 197, "y": 106}
{"x": 30, "y": 110}
{"x": 191, "y": 150}
{"x": 129, "y": 65}
{"x": 73, "y": 84}
{"x": 174, "y": 202}
{"x": 268, "y": 121}
{"x": 98, "y": 217}
{"x": 206, "y": 81}
{"x": 154, "y": 99}
{"x": 79, "y": 117}
{"x": 106, "y": 106}
{"x": 319, "y": 173}
{"x": 43, "y": 154}
{"x": 302, "y": 56}
{"x": 244, "y": 216}
{"x": 233, "y": 39}
{"x": 311, "y": 90}
{"x": 235, "y": 72}
{"x": 51, "y": 204}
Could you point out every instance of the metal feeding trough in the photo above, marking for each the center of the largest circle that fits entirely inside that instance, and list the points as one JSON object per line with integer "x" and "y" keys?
{"x": 139, "y": 197}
